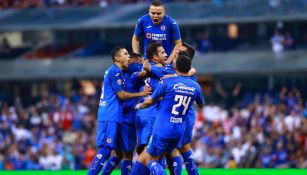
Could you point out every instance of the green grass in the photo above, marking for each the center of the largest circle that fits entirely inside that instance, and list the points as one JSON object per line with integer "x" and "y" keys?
{"x": 201, "y": 172}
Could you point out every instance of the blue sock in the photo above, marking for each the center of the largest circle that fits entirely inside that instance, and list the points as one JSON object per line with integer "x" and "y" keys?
{"x": 190, "y": 163}
{"x": 102, "y": 155}
{"x": 126, "y": 167}
{"x": 177, "y": 165}
{"x": 110, "y": 165}
{"x": 155, "y": 168}
{"x": 162, "y": 162}
{"x": 139, "y": 169}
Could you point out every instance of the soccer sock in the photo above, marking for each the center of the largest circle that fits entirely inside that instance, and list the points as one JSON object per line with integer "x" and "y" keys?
{"x": 170, "y": 165}
{"x": 139, "y": 169}
{"x": 126, "y": 167}
{"x": 110, "y": 165}
{"x": 177, "y": 165}
{"x": 190, "y": 163}
{"x": 155, "y": 168}
{"x": 162, "y": 162}
{"x": 102, "y": 155}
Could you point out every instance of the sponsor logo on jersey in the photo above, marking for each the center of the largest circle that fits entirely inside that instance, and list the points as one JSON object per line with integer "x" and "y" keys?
{"x": 109, "y": 140}
{"x": 148, "y": 35}
{"x": 163, "y": 28}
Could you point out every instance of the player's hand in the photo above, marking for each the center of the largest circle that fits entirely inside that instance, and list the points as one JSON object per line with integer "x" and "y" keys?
{"x": 147, "y": 90}
{"x": 138, "y": 106}
{"x": 146, "y": 66}
{"x": 168, "y": 76}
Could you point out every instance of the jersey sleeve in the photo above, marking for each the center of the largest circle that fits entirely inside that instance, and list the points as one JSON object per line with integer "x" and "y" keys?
{"x": 136, "y": 79}
{"x": 159, "y": 91}
{"x": 116, "y": 81}
{"x": 138, "y": 30}
{"x": 159, "y": 72}
{"x": 175, "y": 32}
{"x": 200, "y": 97}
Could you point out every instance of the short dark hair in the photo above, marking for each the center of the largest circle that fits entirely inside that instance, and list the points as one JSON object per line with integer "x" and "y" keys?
{"x": 152, "y": 49}
{"x": 190, "y": 49}
{"x": 183, "y": 63}
{"x": 184, "y": 53}
{"x": 115, "y": 50}
{"x": 156, "y": 3}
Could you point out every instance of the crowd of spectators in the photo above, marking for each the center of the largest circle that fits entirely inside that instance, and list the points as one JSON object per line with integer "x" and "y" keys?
{"x": 58, "y": 131}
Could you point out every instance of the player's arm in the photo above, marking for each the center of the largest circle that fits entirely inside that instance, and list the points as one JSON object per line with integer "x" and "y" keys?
{"x": 148, "y": 102}
{"x": 136, "y": 44}
{"x": 123, "y": 95}
{"x": 177, "y": 44}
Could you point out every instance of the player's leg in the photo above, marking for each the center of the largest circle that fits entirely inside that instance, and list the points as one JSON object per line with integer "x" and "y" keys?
{"x": 174, "y": 162}
{"x": 140, "y": 165}
{"x": 112, "y": 162}
{"x": 185, "y": 148}
{"x": 144, "y": 125}
{"x": 188, "y": 158}
{"x": 128, "y": 143}
{"x": 105, "y": 142}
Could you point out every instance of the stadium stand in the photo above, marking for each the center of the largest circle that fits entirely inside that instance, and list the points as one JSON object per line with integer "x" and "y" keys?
{"x": 256, "y": 112}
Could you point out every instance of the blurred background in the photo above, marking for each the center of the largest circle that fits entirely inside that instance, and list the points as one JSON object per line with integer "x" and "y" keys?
{"x": 251, "y": 62}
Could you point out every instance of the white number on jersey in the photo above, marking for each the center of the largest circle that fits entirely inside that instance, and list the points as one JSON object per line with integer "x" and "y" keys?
{"x": 182, "y": 100}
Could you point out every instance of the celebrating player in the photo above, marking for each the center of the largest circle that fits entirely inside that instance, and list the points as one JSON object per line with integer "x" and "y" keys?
{"x": 157, "y": 27}
{"x": 111, "y": 109}
{"x": 178, "y": 94}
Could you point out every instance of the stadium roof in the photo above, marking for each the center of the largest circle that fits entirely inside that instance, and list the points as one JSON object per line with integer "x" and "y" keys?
{"x": 126, "y": 15}
{"x": 232, "y": 63}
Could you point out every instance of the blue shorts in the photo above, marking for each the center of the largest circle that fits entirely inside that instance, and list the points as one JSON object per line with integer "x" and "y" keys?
{"x": 108, "y": 134}
{"x": 128, "y": 136}
{"x": 187, "y": 136}
{"x": 144, "y": 126}
{"x": 157, "y": 145}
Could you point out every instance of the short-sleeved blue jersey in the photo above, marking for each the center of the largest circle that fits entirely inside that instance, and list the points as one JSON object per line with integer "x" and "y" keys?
{"x": 166, "y": 32}
{"x": 132, "y": 84}
{"x": 178, "y": 94}
{"x": 110, "y": 106}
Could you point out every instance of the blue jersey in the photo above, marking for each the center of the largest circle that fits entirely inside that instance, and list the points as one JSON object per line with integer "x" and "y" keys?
{"x": 166, "y": 32}
{"x": 178, "y": 94}
{"x": 132, "y": 84}
{"x": 110, "y": 106}
{"x": 153, "y": 82}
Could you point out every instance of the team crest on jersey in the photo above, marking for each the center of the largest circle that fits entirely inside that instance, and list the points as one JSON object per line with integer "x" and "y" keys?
{"x": 148, "y": 35}
{"x": 109, "y": 140}
{"x": 119, "y": 82}
{"x": 163, "y": 28}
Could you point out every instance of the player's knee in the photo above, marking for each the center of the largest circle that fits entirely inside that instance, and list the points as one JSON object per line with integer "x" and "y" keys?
{"x": 185, "y": 148}
{"x": 128, "y": 155}
{"x": 104, "y": 151}
{"x": 118, "y": 154}
{"x": 175, "y": 153}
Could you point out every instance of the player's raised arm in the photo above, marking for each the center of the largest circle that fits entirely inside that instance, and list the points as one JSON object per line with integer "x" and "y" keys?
{"x": 177, "y": 45}
{"x": 135, "y": 44}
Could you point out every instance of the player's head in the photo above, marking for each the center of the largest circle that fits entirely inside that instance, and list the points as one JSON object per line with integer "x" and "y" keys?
{"x": 120, "y": 56}
{"x": 135, "y": 58}
{"x": 155, "y": 52}
{"x": 156, "y": 11}
{"x": 186, "y": 48}
{"x": 183, "y": 64}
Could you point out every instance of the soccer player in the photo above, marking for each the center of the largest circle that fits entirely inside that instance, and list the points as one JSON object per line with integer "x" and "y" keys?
{"x": 145, "y": 117}
{"x": 133, "y": 82}
{"x": 179, "y": 93}
{"x": 157, "y": 27}
{"x": 111, "y": 108}
{"x": 184, "y": 146}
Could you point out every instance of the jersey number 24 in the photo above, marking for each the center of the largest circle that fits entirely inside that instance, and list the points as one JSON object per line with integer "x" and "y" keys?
{"x": 182, "y": 100}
